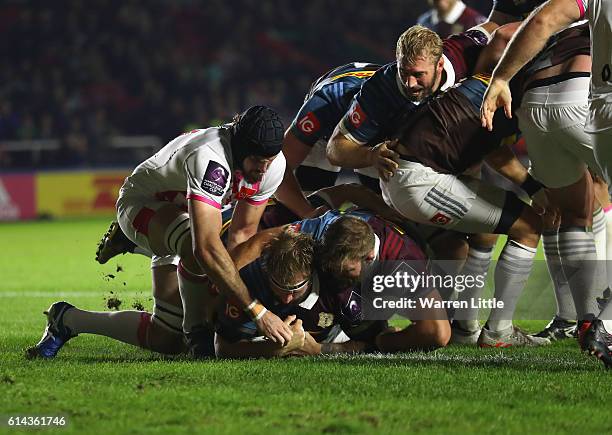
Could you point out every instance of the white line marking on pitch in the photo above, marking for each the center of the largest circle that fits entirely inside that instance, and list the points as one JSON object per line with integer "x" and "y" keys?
{"x": 91, "y": 294}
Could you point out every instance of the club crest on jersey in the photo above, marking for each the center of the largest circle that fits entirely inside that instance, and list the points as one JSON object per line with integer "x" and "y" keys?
{"x": 325, "y": 320}
{"x": 309, "y": 124}
{"x": 441, "y": 219}
{"x": 357, "y": 116}
{"x": 215, "y": 178}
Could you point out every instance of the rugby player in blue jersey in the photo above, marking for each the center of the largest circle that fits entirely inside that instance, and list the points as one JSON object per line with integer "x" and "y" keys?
{"x": 306, "y": 138}
{"x": 351, "y": 244}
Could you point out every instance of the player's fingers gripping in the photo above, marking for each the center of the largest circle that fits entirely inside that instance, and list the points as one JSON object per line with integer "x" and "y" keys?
{"x": 289, "y": 319}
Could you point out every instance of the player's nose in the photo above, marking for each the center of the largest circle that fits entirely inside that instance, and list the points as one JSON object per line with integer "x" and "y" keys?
{"x": 287, "y": 298}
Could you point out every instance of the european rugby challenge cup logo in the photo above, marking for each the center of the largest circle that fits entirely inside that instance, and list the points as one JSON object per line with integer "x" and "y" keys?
{"x": 215, "y": 178}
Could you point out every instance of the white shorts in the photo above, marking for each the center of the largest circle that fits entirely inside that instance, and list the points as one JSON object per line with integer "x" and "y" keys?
{"x": 317, "y": 158}
{"x": 133, "y": 214}
{"x": 551, "y": 119}
{"x": 460, "y": 203}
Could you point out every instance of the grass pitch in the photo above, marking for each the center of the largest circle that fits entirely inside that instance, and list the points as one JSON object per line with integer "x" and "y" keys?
{"x": 103, "y": 386}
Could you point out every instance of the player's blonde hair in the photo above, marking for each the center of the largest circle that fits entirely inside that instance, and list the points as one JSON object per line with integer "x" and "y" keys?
{"x": 418, "y": 42}
{"x": 348, "y": 238}
{"x": 289, "y": 254}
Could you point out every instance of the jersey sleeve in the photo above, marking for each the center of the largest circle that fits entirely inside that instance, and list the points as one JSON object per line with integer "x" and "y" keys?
{"x": 208, "y": 177}
{"x": 233, "y": 324}
{"x": 313, "y": 121}
{"x": 272, "y": 179}
{"x": 368, "y": 110}
{"x": 462, "y": 51}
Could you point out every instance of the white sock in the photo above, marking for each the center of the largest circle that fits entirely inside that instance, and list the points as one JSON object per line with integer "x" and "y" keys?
{"x": 477, "y": 263}
{"x": 511, "y": 274}
{"x": 193, "y": 296}
{"x": 127, "y": 326}
{"x": 584, "y": 273}
{"x": 599, "y": 233}
{"x": 563, "y": 294}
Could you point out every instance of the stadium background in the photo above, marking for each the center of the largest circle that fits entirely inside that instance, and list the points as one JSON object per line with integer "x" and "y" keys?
{"x": 89, "y": 86}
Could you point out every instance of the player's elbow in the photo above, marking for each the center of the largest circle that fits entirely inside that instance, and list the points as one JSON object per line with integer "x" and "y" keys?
{"x": 333, "y": 152}
{"x": 435, "y": 333}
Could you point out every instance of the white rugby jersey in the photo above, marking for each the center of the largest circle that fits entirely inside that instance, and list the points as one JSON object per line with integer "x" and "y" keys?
{"x": 599, "y": 14}
{"x": 198, "y": 165}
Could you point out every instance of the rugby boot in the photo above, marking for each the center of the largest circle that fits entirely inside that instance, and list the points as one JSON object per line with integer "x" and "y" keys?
{"x": 113, "y": 243}
{"x": 597, "y": 341}
{"x": 510, "y": 337}
{"x": 55, "y": 334}
{"x": 558, "y": 329}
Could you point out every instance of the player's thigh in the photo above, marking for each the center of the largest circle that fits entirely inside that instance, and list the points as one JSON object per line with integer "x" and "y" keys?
{"x": 558, "y": 147}
{"x": 151, "y": 224}
{"x": 463, "y": 204}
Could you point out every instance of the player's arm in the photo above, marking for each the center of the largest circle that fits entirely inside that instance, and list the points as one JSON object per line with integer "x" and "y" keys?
{"x": 245, "y": 221}
{"x": 261, "y": 348}
{"x": 345, "y": 152}
{"x": 217, "y": 263}
{"x": 504, "y": 161}
{"x": 362, "y": 197}
{"x": 312, "y": 347}
{"x": 250, "y": 250}
{"x": 529, "y": 40}
{"x": 289, "y": 192}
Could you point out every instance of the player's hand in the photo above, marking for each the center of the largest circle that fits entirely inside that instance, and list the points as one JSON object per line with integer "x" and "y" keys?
{"x": 497, "y": 95}
{"x": 297, "y": 340}
{"x": 309, "y": 347}
{"x": 273, "y": 328}
{"x": 385, "y": 159}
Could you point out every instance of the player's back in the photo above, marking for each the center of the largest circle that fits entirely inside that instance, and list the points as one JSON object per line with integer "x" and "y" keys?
{"x": 167, "y": 169}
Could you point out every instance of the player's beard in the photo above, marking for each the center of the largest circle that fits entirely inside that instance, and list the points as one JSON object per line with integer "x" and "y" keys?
{"x": 425, "y": 91}
{"x": 253, "y": 177}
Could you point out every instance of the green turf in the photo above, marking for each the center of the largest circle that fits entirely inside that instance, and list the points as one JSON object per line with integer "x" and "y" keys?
{"x": 103, "y": 386}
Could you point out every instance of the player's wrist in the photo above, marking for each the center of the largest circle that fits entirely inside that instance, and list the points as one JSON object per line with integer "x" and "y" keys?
{"x": 531, "y": 186}
{"x": 255, "y": 310}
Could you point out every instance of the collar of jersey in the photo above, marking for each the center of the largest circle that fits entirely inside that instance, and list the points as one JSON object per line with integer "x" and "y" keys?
{"x": 313, "y": 296}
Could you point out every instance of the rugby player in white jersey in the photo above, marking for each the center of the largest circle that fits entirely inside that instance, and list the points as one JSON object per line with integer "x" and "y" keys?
{"x": 171, "y": 206}
{"x": 551, "y": 18}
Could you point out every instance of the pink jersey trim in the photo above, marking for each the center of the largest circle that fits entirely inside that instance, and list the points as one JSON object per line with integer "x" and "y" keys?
{"x": 607, "y": 208}
{"x": 254, "y": 202}
{"x": 204, "y": 199}
{"x": 581, "y": 7}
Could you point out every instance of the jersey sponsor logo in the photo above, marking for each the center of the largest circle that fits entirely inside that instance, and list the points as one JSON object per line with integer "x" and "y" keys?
{"x": 215, "y": 178}
{"x": 441, "y": 219}
{"x": 325, "y": 320}
{"x": 357, "y": 116}
{"x": 232, "y": 311}
{"x": 309, "y": 124}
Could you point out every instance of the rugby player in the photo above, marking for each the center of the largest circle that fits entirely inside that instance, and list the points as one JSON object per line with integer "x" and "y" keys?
{"x": 161, "y": 330}
{"x": 306, "y": 138}
{"x": 552, "y": 17}
{"x": 351, "y": 242}
{"x": 439, "y": 144}
{"x": 201, "y": 171}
